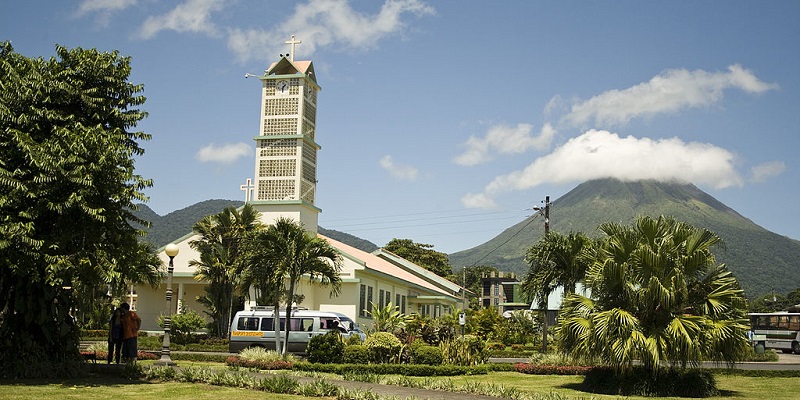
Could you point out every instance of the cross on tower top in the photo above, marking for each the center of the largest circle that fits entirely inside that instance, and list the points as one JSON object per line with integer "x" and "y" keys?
{"x": 292, "y": 43}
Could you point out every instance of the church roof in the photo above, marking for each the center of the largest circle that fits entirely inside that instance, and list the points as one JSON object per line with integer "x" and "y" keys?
{"x": 376, "y": 263}
{"x": 284, "y": 66}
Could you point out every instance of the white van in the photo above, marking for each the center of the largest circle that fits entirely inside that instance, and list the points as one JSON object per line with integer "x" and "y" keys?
{"x": 254, "y": 328}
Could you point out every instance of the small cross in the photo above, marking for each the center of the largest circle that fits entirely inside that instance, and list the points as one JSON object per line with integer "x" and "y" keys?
{"x": 292, "y": 43}
{"x": 248, "y": 188}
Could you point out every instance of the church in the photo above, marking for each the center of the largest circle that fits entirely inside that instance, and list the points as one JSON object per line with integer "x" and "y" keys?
{"x": 285, "y": 186}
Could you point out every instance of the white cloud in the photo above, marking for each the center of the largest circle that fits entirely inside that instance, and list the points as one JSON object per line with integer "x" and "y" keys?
{"x": 504, "y": 139}
{"x": 321, "y": 23}
{"x": 480, "y": 200}
{"x": 602, "y": 154}
{"x": 762, "y": 172}
{"x": 668, "y": 92}
{"x": 190, "y": 16}
{"x": 398, "y": 171}
{"x": 101, "y": 6}
{"x": 226, "y": 154}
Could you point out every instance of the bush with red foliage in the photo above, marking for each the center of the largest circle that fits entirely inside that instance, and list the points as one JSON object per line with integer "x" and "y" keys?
{"x": 543, "y": 369}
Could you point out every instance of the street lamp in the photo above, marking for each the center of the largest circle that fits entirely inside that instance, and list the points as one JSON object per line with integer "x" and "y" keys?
{"x": 171, "y": 250}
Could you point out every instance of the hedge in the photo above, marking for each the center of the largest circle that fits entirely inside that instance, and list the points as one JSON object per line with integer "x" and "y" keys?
{"x": 544, "y": 369}
{"x": 400, "y": 369}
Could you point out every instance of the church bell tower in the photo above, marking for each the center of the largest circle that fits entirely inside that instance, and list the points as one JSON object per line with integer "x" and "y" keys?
{"x": 286, "y": 151}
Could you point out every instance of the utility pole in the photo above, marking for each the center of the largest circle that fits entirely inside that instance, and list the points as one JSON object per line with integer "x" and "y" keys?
{"x": 546, "y": 214}
{"x": 544, "y": 301}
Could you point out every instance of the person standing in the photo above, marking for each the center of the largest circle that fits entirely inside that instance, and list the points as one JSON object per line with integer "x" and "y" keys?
{"x": 130, "y": 332}
{"x": 115, "y": 334}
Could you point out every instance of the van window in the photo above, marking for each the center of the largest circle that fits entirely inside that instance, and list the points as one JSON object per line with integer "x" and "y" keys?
{"x": 295, "y": 324}
{"x": 247, "y": 324}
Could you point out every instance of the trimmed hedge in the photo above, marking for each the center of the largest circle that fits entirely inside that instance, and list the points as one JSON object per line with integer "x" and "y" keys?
{"x": 399, "y": 369}
{"x": 237, "y": 362}
{"x": 543, "y": 369}
{"x": 356, "y": 354}
{"x": 642, "y": 382}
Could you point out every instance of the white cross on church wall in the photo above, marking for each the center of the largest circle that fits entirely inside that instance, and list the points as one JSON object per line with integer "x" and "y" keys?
{"x": 249, "y": 190}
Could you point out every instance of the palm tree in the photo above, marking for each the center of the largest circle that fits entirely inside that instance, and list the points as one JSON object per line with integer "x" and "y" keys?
{"x": 295, "y": 254}
{"x": 556, "y": 261}
{"x": 657, "y": 295}
{"x": 220, "y": 242}
{"x": 387, "y": 319}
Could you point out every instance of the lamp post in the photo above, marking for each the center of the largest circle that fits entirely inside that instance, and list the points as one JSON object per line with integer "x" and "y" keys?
{"x": 171, "y": 250}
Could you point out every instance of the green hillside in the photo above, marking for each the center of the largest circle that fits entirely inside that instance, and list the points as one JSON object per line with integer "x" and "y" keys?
{"x": 167, "y": 228}
{"x": 762, "y": 260}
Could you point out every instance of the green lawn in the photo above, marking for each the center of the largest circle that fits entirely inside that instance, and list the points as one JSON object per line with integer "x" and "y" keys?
{"x": 733, "y": 387}
{"x": 107, "y": 386}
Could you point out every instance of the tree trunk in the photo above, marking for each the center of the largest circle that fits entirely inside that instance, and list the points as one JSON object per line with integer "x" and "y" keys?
{"x": 289, "y": 298}
{"x": 276, "y": 319}
{"x": 543, "y": 308}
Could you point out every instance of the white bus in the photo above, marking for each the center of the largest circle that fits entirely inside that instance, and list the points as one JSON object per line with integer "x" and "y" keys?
{"x": 255, "y": 328}
{"x": 778, "y": 330}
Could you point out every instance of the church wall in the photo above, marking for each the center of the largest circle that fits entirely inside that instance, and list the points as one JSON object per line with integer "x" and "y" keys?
{"x": 152, "y": 303}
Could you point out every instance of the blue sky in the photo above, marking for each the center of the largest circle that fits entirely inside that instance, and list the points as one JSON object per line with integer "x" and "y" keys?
{"x": 445, "y": 122}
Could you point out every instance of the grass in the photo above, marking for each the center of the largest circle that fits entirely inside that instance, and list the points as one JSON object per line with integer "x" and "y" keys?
{"x": 109, "y": 386}
{"x": 106, "y": 387}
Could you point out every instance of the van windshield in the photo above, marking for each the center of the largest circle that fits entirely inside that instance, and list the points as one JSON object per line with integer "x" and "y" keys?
{"x": 348, "y": 324}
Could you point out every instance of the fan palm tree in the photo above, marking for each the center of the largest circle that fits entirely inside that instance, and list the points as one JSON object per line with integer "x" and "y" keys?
{"x": 657, "y": 295}
{"x": 295, "y": 254}
{"x": 219, "y": 245}
{"x": 556, "y": 261}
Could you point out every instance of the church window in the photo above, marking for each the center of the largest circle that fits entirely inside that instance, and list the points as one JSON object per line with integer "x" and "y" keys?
{"x": 381, "y": 294}
{"x": 310, "y": 112}
{"x": 276, "y": 189}
{"x": 369, "y": 299}
{"x": 275, "y": 148}
{"x": 280, "y": 126}
{"x": 309, "y": 172}
{"x": 307, "y": 192}
{"x": 281, "y": 106}
{"x": 389, "y": 298}
{"x": 269, "y": 168}
{"x": 403, "y": 304}
{"x": 362, "y": 301}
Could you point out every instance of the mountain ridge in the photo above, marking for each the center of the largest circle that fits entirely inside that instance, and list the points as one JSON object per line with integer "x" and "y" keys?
{"x": 759, "y": 258}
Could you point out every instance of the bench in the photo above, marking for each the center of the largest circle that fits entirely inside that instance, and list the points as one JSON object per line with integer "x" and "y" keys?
{"x": 88, "y": 351}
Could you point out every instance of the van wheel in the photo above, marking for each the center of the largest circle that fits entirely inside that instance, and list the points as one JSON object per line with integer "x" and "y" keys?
{"x": 796, "y": 347}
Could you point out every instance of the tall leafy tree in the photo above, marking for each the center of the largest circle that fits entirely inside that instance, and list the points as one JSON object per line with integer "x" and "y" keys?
{"x": 67, "y": 188}
{"x": 297, "y": 255}
{"x": 220, "y": 264}
{"x": 556, "y": 261}
{"x": 421, "y": 254}
{"x": 657, "y": 295}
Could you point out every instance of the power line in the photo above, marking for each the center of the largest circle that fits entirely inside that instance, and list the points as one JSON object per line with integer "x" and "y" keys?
{"x": 507, "y": 240}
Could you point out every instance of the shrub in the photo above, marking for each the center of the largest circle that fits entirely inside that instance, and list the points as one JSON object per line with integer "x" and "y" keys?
{"x": 262, "y": 355}
{"x": 327, "y": 348}
{"x": 466, "y": 350}
{"x": 383, "y": 347}
{"x": 544, "y": 369}
{"x": 183, "y": 325}
{"x": 496, "y": 346}
{"x": 642, "y": 382}
{"x": 356, "y": 354}
{"x": 396, "y": 369}
{"x": 517, "y": 347}
{"x": 237, "y": 362}
{"x": 430, "y": 355}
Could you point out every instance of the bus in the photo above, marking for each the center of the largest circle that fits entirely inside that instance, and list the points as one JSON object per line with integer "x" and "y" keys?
{"x": 778, "y": 330}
